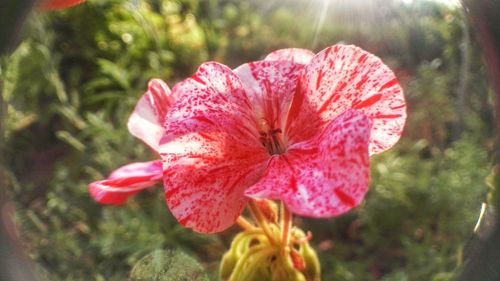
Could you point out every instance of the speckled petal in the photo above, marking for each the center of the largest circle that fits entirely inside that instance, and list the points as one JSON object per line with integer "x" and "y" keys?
{"x": 297, "y": 55}
{"x": 340, "y": 78}
{"x": 148, "y": 118}
{"x": 211, "y": 150}
{"x": 325, "y": 176}
{"x": 126, "y": 181}
{"x": 269, "y": 86}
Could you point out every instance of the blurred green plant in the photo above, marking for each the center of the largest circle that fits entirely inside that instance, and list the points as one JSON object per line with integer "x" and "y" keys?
{"x": 71, "y": 84}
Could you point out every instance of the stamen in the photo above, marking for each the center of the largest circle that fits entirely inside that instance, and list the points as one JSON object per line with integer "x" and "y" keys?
{"x": 272, "y": 140}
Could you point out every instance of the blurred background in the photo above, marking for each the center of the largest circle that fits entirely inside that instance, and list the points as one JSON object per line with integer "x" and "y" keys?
{"x": 75, "y": 77}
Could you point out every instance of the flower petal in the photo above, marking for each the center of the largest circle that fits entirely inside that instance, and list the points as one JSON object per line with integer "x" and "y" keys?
{"x": 58, "y": 4}
{"x": 211, "y": 150}
{"x": 342, "y": 77}
{"x": 148, "y": 118}
{"x": 302, "y": 56}
{"x": 126, "y": 181}
{"x": 269, "y": 86}
{"x": 325, "y": 176}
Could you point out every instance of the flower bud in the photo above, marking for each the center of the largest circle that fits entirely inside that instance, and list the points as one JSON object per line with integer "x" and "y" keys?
{"x": 312, "y": 269}
{"x": 227, "y": 265}
{"x": 253, "y": 257}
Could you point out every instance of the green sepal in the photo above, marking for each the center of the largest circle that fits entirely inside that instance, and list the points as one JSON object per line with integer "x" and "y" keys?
{"x": 313, "y": 268}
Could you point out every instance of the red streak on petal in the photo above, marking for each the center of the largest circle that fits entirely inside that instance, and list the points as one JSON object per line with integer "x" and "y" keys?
{"x": 368, "y": 102}
{"x": 185, "y": 219}
{"x": 198, "y": 79}
{"x": 363, "y": 81}
{"x": 312, "y": 150}
{"x": 340, "y": 87}
{"x": 362, "y": 58}
{"x": 398, "y": 106}
{"x": 253, "y": 71}
{"x": 344, "y": 197}
{"x": 229, "y": 82}
{"x": 389, "y": 84}
{"x": 293, "y": 179}
{"x": 203, "y": 119}
{"x": 214, "y": 170}
{"x": 170, "y": 192}
{"x": 388, "y": 116}
{"x": 320, "y": 76}
{"x": 244, "y": 131}
{"x": 206, "y": 136}
{"x": 293, "y": 183}
{"x": 160, "y": 102}
{"x": 295, "y": 107}
{"x": 237, "y": 181}
{"x": 332, "y": 99}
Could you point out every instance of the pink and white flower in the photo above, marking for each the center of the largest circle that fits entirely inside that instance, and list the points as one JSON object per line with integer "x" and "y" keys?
{"x": 295, "y": 127}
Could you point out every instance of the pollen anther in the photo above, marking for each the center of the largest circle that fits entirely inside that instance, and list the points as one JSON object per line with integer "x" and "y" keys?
{"x": 272, "y": 140}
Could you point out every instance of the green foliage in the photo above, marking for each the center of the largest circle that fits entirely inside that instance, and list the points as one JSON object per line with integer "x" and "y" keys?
{"x": 71, "y": 84}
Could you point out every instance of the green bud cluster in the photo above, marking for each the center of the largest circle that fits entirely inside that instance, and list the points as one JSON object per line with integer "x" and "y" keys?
{"x": 254, "y": 257}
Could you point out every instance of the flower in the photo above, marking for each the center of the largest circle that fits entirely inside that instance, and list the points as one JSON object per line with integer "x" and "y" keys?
{"x": 296, "y": 127}
{"x": 58, "y": 4}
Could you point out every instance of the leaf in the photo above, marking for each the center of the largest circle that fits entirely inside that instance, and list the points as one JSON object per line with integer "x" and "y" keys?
{"x": 168, "y": 265}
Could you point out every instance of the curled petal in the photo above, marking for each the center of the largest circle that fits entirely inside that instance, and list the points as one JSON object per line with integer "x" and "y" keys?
{"x": 325, "y": 176}
{"x": 342, "y": 77}
{"x": 58, "y": 4}
{"x": 148, "y": 118}
{"x": 297, "y": 55}
{"x": 211, "y": 150}
{"x": 126, "y": 181}
{"x": 269, "y": 86}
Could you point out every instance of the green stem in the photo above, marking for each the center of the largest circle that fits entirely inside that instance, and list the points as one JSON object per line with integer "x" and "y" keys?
{"x": 286, "y": 225}
{"x": 245, "y": 224}
{"x": 261, "y": 221}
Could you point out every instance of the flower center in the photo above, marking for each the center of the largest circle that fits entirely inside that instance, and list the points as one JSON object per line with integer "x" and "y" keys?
{"x": 272, "y": 140}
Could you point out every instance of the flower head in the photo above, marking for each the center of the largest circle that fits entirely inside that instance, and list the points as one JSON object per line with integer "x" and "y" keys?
{"x": 296, "y": 127}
